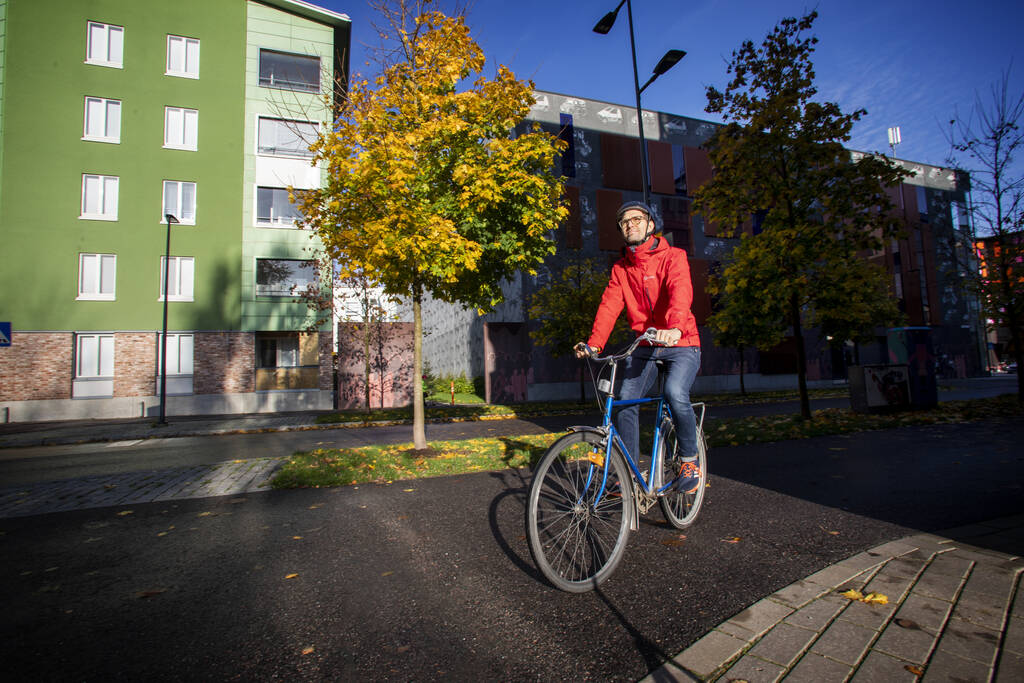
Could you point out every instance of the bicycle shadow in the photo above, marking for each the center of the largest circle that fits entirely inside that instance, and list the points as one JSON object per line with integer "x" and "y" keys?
{"x": 516, "y": 481}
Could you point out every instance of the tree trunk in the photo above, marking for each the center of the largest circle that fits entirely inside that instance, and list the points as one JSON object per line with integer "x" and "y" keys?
{"x": 801, "y": 357}
{"x": 419, "y": 436}
{"x": 366, "y": 363}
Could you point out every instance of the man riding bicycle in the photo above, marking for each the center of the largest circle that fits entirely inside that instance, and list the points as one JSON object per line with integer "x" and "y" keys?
{"x": 652, "y": 281}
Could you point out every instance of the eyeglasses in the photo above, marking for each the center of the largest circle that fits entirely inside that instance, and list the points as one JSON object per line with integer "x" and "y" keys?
{"x": 634, "y": 221}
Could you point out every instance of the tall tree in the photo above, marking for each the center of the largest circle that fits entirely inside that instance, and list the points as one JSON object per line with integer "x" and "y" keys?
{"x": 780, "y": 154}
{"x": 565, "y": 308}
{"x": 427, "y": 190}
{"x": 989, "y": 142}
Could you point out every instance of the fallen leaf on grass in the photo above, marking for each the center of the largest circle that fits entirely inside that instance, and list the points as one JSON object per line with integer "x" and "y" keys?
{"x": 408, "y": 490}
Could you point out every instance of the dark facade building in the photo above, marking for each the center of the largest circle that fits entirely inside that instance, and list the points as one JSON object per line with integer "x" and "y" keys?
{"x": 602, "y": 168}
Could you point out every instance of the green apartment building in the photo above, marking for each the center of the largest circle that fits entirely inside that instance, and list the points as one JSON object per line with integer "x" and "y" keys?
{"x": 115, "y": 114}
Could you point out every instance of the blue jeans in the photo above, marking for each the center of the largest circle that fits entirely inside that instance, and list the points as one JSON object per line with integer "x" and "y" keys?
{"x": 640, "y": 373}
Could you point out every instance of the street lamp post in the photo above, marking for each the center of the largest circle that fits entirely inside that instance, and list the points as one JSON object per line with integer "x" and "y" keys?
{"x": 163, "y": 339}
{"x": 664, "y": 64}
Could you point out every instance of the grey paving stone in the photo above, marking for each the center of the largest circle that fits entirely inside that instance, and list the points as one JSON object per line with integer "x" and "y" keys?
{"x": 818, "y": 614}
{"x": 969, "y": 641}
{"x": 881, "y": 667}
{"x": 1010, "y": 668}
{"x": 862, "y": 562}
{"x": 1013, "y": 636}
{"x": 987, "y": 581}
{"x": 754, "y": 670}
{"x": 943, "y": 583}
{"x": 872, "y": 616}
{"x": 761, "y": 616}
{"x": 893, "y": 549}
{"x": 798, "y": 594}
{"x": 834, "y": 575}
{"x": 845, "y": 642}
{"x": 813, "y": 668}
{"x": 927, "y": 612}
{"x": 981, "y": 612}
{"x": 893, "y": 586}
{"x": 708, "y": 654}
{"x": 945, "y": 667}
{"x": 783, "y": 645}
{"x": 910, "y": 644}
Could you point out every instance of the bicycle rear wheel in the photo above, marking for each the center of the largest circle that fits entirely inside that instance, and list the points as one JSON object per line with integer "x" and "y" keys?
{"x": 681, "y": 509}
{"x": 578, "y": 532}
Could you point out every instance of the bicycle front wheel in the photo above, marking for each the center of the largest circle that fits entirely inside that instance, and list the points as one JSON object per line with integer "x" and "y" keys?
{"x": 577, "y": 518}
{"x": 681, "y": 509}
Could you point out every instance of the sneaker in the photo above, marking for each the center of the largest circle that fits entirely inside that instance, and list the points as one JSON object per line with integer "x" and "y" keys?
{"x": 688, "y": 479}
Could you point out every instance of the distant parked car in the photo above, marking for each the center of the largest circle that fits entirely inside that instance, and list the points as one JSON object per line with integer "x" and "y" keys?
{"x": 610, "y": 115}
{"x": 573, "y": 105}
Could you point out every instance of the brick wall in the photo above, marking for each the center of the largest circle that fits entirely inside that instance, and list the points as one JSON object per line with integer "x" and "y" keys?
{"x": 326, "y": 361}
{"x": 37, "y": 366}
{"x": 135, "y": 364}
{"x": 224, "y": 363}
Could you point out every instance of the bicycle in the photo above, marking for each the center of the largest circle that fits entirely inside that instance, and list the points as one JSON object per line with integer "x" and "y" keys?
{"x": 588, "y": 491}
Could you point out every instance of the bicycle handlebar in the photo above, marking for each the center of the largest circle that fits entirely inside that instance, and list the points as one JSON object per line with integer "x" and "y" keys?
{"x": 648, "y": 335}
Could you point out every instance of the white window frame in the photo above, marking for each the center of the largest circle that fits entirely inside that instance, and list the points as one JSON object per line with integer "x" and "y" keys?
{"x": 177, "y": 134}
{"x": 176, "y": 210}
{"x": 287, "y": 352}
{"x": 107, "y": 186}
{"x": 180, "y": 362}
{"x": 97, "y": 277}
{"x": 104, "y": 52}
{"x": 94, "y": 365}
{"x": 273, "y": 222}
{"x": 182, "y": 282}
{"x": 288, "y": 125}
{"x": 185, "y": 44}
{"x": 107, "y": 110}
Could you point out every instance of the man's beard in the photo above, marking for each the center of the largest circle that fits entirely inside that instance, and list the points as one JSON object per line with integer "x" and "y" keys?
{"x": 637, "y": 241}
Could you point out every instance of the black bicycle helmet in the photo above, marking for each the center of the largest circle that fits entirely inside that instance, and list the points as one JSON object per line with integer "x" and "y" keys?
{"x": 633, "y": 205}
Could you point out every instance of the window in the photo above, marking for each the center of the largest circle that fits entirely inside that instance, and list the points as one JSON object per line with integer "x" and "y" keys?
{"x": 99, "y": 197}
{"x": 284, "y": 277}
{"x": 182, "y": 57}
{"x": 282, "y": 137}
{"x": 97, "y": 274}
{"x": 94, "y": 365}
{"x": 180, "y": 278}
{"x": 180, "y": 368}
{"x": 181, "y": 128}
{"x": 105, "y": 45}
{"x": 289, "y": 71}
{"x": 102, "y": 120}
{"x": 278, "y": 352}
{"x": 179, "y": 201}
{"x": 274, "y": 208}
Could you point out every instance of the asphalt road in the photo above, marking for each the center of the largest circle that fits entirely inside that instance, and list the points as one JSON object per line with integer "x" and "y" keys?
{"x": 432, "y": 579}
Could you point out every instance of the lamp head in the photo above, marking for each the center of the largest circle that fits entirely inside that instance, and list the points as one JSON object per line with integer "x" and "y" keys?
{"x": 606, "y": 23}
{"x": 668, "y": 61}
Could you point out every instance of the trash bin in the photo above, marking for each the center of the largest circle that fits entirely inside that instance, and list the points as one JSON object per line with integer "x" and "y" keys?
{"x": 879, "y": 388}
{"x": 912, "y": 346}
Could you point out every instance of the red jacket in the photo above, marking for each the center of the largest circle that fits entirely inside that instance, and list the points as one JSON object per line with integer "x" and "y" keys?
{"x": 653, "y": 282}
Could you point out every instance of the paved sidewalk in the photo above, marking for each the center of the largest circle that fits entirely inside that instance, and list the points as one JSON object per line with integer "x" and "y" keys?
{"x": 954, "y": 613}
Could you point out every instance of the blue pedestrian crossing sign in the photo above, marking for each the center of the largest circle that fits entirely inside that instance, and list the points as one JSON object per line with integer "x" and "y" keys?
{"x": 5, "y": 334}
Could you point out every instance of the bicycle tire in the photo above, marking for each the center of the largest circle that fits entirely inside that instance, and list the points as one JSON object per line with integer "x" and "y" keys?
{"x": 575, "y": 545}
{"x": 681, "y": 509}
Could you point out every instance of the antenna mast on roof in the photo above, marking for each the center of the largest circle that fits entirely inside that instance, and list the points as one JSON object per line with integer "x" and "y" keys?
{"x": 894, "y": 139}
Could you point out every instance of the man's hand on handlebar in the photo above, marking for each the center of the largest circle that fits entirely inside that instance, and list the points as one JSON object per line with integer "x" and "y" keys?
{"x": 583, "y": 351}
{"x": 667, "y": 337}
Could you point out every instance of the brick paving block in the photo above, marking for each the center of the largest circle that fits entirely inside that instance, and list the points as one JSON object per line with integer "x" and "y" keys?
{"x": 980, "y": 613}
{"x": 943, "y": 583}
{"x": 813, "y": 668}
{"x": 892, "y": 549}
{"x": 1018, "y": 602}
{"x": 835, "y": 575}
{"x": 845, "y": 642}
{"x": 761, "y": 616}
{"x": 969, "y": 641}
{"x": 907, "y": 566}
{"x": 862, "y": 561}
{"x": 945, "y": 667}
{"x": 1013, "y": 635}
{"x": 708, "y": 654}
{"x": 783, "y": 645}
{"x": 754, "y": 670}
{"x": 987, "y": 582}
{"x": 872, "y": 616}
{"x": 893, "y": 586}
{"x": 907, "y": 643}
{"x": 930, "y": 544}
{"x": 880, "y": 667}
{"x": 927, "y": 612}
{"x": 980, "y": 555}
{"x": 1010, "y": 668}
{"x": 798, "y": 594}
{"x": 818, "y": 614}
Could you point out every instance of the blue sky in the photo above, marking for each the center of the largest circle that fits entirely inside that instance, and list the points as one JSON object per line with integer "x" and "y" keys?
{"x": 910, "y": 63}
